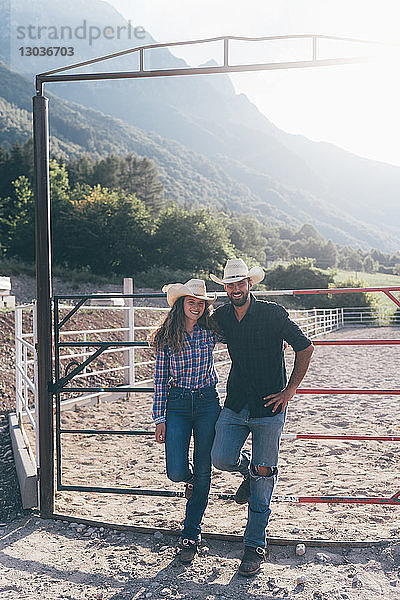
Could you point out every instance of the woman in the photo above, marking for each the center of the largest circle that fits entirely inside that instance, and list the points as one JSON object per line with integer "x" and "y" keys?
{"x": 186, "y": 400}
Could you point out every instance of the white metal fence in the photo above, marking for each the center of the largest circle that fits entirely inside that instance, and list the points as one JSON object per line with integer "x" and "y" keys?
{"x": 318, "y": 320}
{"x": 313, "y": 322}
{"x": 378, "y": 316}
{"x": 26, "y": 370}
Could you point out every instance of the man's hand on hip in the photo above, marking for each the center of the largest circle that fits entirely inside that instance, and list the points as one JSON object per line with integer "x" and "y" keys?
{"x": 301, "y": 362}
{"x": 280, "y": 399}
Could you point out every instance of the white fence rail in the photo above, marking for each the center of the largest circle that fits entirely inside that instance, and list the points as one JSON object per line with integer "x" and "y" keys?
{"x": 365, "y": 316}
{"x": 318, "y": 320}
{"x": 26, "y": 369}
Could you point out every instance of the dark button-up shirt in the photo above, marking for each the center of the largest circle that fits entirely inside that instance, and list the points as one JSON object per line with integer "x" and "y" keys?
{"x": 255, "y": 345}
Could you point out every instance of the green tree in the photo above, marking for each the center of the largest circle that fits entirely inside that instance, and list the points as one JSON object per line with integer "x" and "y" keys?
{"x": 396, "y": 269}
{"x": 307, "y": 248}
{"x": 81, "y": 171}
{"x": 308, "y": 231}
{"x": 359, "y": 299}
{"x": 245, "y": 233}
{"x": 300, "y": 274}
{"x": 354, "y": 260}
{"x": 4, "y": 226}
{"x": 14, "y": 163}
{"x": 194, "y": 239}
{"x": 394, "y": 259}
{"x": 140, "y": 177}
{"x": 287, "y": 233}
{"x": 21, "y": 218}
{"x": 379, "y": 256}
{"x": 59, "y": 183}
{"x": 330, "y": 255}
{"x": 61, "y": 209}
{"x": 108, "y": 231}
{"x": 107, "y": 172}
{"x": 369, "y": 264}
{"x": 134, "y": 175}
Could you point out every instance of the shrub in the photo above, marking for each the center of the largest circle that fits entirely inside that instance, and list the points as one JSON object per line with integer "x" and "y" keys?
{"x": 156, "y": 277}
{"x": 301, "y": 274}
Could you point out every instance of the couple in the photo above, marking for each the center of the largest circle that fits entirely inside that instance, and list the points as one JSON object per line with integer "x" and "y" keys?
{"x": 186, "y": 400}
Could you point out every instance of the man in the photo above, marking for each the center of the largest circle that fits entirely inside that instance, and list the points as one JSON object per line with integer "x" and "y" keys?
{"x": 257, "y": 395}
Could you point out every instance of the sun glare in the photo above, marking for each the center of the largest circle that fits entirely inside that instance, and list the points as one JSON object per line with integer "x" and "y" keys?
{"x": 352, "y": 106}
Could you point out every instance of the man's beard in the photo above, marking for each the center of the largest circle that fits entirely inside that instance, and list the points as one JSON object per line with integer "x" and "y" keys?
{"x": 240, "y": 301}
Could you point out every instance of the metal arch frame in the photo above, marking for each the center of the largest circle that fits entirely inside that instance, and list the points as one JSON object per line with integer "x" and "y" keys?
{"x": 314, "y": 61}
{"x": 42, "y": 203}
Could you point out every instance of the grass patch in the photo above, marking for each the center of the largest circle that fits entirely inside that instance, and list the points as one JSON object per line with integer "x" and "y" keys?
{"x": 372, "y": 280}
{"x": 75, "y": 277}
{"x": 11, "y": 266}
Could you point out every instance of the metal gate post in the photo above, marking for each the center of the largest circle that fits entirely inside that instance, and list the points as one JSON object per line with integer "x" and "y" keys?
{"x": 43, "y": 295}
{"x": 18, "y": 361}
{"x": 129, "y": 323}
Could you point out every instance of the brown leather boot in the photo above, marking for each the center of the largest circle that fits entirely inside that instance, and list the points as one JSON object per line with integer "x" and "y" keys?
{"x": 188, "y": 550}
{"x": 188, "y": 490}
{"x": 243, "y": 492}
{"x": 251, "y": 561}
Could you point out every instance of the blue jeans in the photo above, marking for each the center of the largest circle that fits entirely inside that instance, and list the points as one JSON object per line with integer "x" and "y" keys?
{"x": 231, "y": 432}
{"x": 191, "y": 411}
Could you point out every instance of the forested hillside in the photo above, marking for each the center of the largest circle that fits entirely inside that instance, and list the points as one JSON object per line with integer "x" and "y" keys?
{"x": 224, "y": 150}
{"x": 111, "y": 216}
{"x": 189, "y": 178}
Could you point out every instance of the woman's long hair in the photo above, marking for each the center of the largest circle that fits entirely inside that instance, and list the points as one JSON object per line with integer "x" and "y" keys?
{"x": 172, "y": 331}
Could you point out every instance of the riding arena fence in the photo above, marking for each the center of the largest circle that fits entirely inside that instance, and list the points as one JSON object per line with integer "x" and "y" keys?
{"x": 75, "y": 350}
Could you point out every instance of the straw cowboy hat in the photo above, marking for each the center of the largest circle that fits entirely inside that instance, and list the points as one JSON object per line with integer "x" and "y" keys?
{"x": 236, "y": 270}
{"x": 194, "y": 287}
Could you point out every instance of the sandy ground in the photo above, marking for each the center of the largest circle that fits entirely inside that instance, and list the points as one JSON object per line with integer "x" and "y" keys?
{"x": 355, "y": 468}
{"x": 52, "y": 559}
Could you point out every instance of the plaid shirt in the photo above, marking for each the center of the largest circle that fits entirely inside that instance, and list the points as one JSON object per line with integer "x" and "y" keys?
{"x": 191, "y": 368}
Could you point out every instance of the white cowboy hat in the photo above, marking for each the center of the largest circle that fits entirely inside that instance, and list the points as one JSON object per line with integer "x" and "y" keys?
{"x": 194, "y": 287}
{"x": 236, "y": 270}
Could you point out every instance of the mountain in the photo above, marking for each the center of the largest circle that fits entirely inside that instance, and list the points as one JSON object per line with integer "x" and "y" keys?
{"x": 189, "y": 178}
{"x": 212, "y": 146}
{"x": 207, "y": 116}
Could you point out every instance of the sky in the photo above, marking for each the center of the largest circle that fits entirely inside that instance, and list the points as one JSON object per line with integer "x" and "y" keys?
{"x": 355, "y": 107}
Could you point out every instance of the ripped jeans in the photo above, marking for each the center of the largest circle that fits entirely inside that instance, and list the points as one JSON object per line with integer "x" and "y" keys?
{"x": 231, "y": 431}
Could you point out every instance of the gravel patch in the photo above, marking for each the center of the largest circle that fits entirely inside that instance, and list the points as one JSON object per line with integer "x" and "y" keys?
{"x": 10, "y": 497}
{"x": 53, "y": 560}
